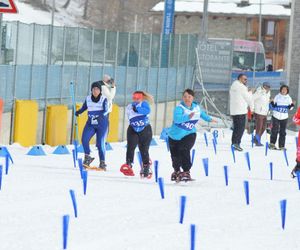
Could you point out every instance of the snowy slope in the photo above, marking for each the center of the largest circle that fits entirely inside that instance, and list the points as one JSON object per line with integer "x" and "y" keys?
{"x": 121, "y": 212}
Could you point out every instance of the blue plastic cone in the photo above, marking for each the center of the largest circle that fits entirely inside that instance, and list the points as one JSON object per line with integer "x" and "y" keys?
{"x": 205, "y": 138}
{"x": 286, "y": 158}
{"x": 163, "y": 134}
{"x": 193, "y": 236}
{"x": 246, "y": 189}
{"x": 66, "y": 219}
{"x": 161, "y": 187}
{"x": 74, "y": 203}
{"x": 193, "y": 156}
{"x": 80, "y": 149}
{"x": 108, "y": 147}
{"x": 36, "y": 151}
{"x": 283, "y": 212}
{"x": 271, "y": 170}
{"x": 226, "y": 175}
{"x": 233, "y": 153}
{"x": 205, "y": 165}
{"x": 84, "y": 180}
{"x": 61, "y": 150}
{"x": 156, "y": 170}
{"x": 182, "y": 208}
{"x": 153, "y": 142}
{"x": 247, "y": 156}
{"x": 4, "y": 151}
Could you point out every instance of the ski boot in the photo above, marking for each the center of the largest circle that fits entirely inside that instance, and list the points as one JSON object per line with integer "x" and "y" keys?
{"x": 295, "y": 170}
{"x": 175, "y": 175}
{"x": 126, "y": 169}
{"x": 87, "y": 160}
{"x": 146, "y": 171}
{"x": 102, "y": 165}
{"x": 184, "y": 176}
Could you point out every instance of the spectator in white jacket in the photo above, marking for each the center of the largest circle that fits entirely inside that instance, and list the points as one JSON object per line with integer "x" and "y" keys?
{"x": 261, "y": 99}
{"x": 108, "y": 89}
{"x": 240, "y": 100}
{"x": 281, "y": 104}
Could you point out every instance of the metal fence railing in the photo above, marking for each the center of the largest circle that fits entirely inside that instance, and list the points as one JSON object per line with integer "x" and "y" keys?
{"x": 38, "y": 62}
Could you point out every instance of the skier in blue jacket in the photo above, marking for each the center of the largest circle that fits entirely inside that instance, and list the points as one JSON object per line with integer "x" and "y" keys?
{"x": 139, "y": 133}
{"x": 182, "y": 134}
{"x": 97, "y": 123}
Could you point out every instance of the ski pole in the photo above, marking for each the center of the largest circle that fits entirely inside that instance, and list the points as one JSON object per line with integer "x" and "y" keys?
{"x": 72, "y": 91}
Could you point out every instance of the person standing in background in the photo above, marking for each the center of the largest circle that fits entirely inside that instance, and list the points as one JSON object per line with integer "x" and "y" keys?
{"x": 261, "y": 100}
{"x": 240, "y": 100}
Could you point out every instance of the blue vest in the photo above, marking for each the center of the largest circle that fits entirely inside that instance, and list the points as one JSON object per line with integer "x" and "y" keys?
{"x": 137, "y": 121}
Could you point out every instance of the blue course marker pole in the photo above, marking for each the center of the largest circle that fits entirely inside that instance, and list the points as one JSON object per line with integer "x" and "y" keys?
{"x": 74, "y": 157}
{"x": 205, "y": 165}
{"x": 233, "y": 153}
{"x": 66, "y": 219}
{"x": 298, "y": 178}
{"x": 167, "y": 144}
{"x": 72, "y": 193}
{"x": 182, "y": 208}
{"x": 226, "y": 175}
{"x": 1, "y": 170}
{"x": 6, "y": 164}
{"x": 286, "y": 158}
{"x": 283, "y": 212}
{"x": 205, "y": 138}
{"x": 215, "y": 145}
{"x": 216, "y": 135}
{"x": 193, "y": 236}
{"x": 247, "y": 155}
{"x": 271, "y": 170}
{"x": 84, "y": 180}
{"x": 252, "y": 140}
{"x": 266, "y": 148}
{"x": 246, "y": 189}
{"x": 193, "y": 156}
{"x": 161, "y": 187}
{"x": 80, "y": 166}
{"x": 156, "y": 170}
{"x": 140, "y": 158}
{"x": 296, "y": 139}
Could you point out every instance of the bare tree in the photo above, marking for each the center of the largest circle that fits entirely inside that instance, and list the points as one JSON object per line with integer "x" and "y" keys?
{"x": 66, "y": 5}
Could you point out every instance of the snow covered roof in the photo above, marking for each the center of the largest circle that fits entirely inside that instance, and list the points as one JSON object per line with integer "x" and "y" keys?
{"x": 269, "y": 7}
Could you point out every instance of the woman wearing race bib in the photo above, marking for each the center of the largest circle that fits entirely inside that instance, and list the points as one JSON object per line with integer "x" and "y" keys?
{"x": 182, "y": 134}
{"x": 281, "y": 104}
{"x": 139, "y": 133}
{"x": 97, "y": 123}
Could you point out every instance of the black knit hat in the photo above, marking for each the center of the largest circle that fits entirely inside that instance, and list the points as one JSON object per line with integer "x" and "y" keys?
{"x": 97, "y": 84}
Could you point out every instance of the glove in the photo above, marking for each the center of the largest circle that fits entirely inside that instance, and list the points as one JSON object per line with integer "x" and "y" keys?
{"x": 134, "y": 108}
{"x": 77, "y": 113}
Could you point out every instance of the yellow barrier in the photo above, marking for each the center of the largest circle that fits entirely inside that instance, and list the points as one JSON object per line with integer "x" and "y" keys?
{"x": 113, "y": 135}
{"x": 56, "y": 125}
{"x": 25, "y": 123}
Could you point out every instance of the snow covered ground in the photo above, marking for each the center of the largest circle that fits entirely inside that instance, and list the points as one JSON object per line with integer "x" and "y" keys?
{"x": 121, "y": 212}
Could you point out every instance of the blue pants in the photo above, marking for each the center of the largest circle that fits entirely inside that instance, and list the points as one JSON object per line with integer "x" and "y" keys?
{"x": 101, "y": 133}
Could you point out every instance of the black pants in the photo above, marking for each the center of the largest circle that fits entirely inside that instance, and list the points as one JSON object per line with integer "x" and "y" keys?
{"x": 239, "y": 123}
{"x": 142, "y": 139}
{"x": 180, "y": 152}
{"x": 278, "y": 125}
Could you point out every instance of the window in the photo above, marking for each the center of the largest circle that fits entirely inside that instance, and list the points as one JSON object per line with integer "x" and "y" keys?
{"x": 270, "y": 28}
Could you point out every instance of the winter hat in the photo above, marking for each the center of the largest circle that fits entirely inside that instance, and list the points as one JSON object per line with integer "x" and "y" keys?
{"x": 267, "y": 84}
{"x": 284, "y": 86}
{"x": 97, "y": 84}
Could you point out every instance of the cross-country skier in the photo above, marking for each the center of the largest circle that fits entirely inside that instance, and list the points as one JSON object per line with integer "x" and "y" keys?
{"x": 281, "y": 104}
{"x": 139, "y": 133}
{"x": 182, "y": 134}
{"x": 296, "y": 120}
{"x": 97, "y": 123}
